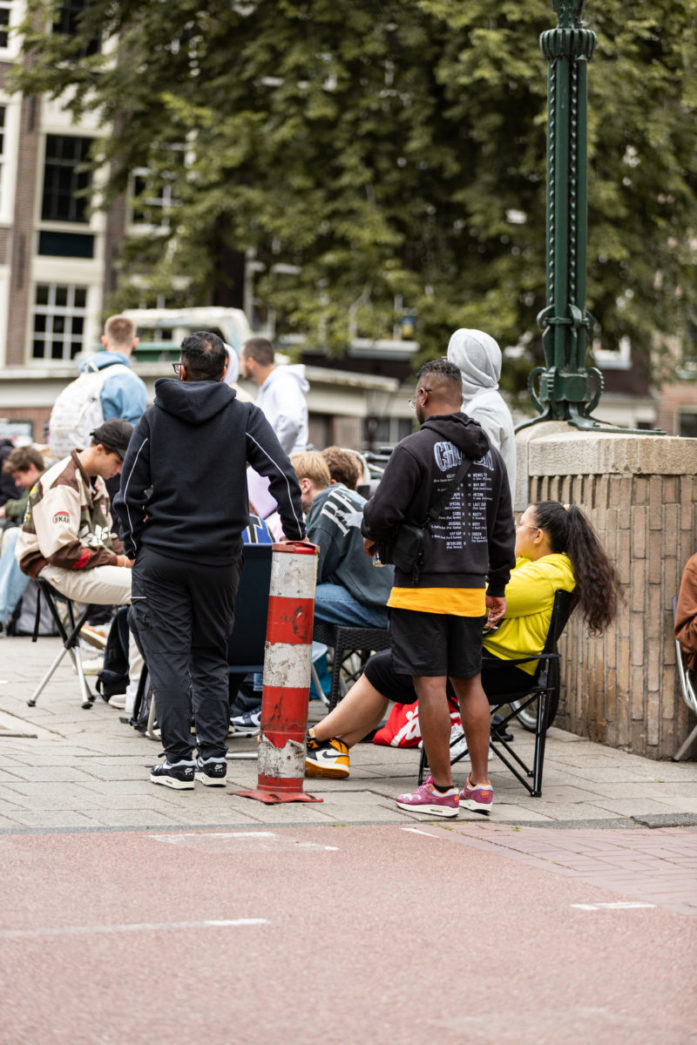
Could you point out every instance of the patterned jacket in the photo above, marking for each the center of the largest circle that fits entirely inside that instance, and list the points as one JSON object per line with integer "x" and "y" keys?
{"x": 67, "y": 522}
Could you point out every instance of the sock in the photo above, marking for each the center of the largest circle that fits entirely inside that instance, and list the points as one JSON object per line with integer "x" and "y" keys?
{"x": 442, "y": 790}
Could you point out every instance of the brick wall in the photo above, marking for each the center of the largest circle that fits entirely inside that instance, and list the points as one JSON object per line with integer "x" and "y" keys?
{"x": 640, "y": 493}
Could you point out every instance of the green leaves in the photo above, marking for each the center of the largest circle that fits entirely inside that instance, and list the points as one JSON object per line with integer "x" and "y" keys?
{"x": 391, "y": 151}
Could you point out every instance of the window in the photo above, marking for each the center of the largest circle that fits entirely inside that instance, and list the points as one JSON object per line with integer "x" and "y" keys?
{"x": 150, "y": 203}
{"x": 66, "y": 244}
{"x": 386, "y": 431}
{"x": 4, "y": 24}
{"x": 687, "y": 424}
{"x": 68, "y": 22}
{"x": 60, "y": 312}
{"x": 66, "y": 177}
{"x": 153, "y": 193}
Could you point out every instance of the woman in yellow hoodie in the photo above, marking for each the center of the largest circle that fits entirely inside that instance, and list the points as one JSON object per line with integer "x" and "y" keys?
{"x": 556, "y": 548}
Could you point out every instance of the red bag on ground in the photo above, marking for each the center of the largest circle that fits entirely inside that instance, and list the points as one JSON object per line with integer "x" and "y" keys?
{"x": 402, "y": 727}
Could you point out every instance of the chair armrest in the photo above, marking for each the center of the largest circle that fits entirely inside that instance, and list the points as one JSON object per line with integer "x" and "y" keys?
{"x": 488, "y": 660}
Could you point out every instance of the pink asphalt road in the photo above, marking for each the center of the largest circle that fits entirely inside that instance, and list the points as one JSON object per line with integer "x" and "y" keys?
{"x": 379, "y": 934}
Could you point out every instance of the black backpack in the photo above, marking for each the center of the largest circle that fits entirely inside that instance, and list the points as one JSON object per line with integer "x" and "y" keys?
{"x": 141, "y": 709}
{"x": 113, "y": 678}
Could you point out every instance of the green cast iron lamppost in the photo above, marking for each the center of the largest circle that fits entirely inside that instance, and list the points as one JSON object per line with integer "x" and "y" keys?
{"x": 565, "y": 389}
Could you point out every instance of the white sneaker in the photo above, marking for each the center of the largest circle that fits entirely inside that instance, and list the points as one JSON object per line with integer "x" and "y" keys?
{"x": 130, "y": 700}
{"x": 458, "y": 744}
{"x": 118, "y": 701}
{"x": 91, "y": 667}
{"x": 95, "y": 636}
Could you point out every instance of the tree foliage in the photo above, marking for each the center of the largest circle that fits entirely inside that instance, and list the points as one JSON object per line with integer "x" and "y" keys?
{"x": 389, "y": 153}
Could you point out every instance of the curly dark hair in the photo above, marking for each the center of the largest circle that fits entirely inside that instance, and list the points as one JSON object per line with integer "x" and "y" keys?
{"x": 597, "y": 588}
{"x": 443, "y": 368}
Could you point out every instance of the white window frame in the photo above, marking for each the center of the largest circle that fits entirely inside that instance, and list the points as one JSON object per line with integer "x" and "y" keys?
{"x": 8, "y": 157}
{"x": 16, "y": 12}
{"x": 162, "y": 202}
{"x": 52, "y": 311}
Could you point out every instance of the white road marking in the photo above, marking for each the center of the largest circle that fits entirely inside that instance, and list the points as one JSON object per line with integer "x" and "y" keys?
{"x": 416, "y": 831}
{"x": 135, "y": 927}
{"x": 229, "y": 841}
{"x": 617, "y": 905}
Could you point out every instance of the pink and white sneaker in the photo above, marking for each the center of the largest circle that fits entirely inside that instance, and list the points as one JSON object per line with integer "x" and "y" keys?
{"x": 426, "y": 799}
{"x": 479, "y": 798}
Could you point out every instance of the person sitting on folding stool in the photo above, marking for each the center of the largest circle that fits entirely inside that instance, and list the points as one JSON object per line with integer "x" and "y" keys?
{"x": 67, "y": 537}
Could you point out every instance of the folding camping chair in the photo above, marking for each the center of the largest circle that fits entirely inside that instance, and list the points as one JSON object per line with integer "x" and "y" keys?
{"x": 542, "y": 694}
{"x": 687, "y": 688}
{"x": 69, "y": 633}
{"x": 346, "y": 642}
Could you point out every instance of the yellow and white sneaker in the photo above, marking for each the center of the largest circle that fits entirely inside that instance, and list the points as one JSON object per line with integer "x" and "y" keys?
{"x": 328, "y": 758}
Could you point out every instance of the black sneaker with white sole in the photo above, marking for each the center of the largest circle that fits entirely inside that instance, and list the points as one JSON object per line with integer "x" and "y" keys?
{"x": 211, "y": 772}
{"x": 179, "y": 775}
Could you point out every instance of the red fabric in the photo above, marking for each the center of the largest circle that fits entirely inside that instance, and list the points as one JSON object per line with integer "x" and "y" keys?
{"x": 402, "y": 726}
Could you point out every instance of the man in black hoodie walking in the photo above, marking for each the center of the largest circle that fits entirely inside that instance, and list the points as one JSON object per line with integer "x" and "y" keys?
{"x": 181, "y": 511}
{"x": 436, "y": 619}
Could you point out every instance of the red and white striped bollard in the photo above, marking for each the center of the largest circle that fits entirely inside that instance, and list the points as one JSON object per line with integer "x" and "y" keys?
{"x": 287, "y": 667}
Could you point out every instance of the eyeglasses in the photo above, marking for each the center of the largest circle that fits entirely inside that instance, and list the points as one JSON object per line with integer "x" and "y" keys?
{"x": 419, "y": 391}
{"x": 177, "y": 368}
{"x": 528, "y": 526}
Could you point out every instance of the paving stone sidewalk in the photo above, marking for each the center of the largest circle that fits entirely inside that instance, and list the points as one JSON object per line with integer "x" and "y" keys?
{"x": 619, "y": 820}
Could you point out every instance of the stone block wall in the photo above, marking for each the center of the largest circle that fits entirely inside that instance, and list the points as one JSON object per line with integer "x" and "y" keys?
{"x": 621, "y": 688}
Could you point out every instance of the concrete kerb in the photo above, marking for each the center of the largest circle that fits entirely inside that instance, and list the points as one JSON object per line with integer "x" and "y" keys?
{"x": 62, "y": 767}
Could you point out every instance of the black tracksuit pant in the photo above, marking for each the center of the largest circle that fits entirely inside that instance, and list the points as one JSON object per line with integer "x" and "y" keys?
{"x": 183, "y": 613}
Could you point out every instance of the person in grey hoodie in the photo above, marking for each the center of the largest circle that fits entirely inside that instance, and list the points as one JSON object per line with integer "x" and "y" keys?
{"x": 478, "y": 358}
{"x": 181, "y": 511}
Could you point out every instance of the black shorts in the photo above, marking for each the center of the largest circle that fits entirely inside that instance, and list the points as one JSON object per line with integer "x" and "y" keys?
{"x": 498, "y": 679}
{"x": 436, "y": 644}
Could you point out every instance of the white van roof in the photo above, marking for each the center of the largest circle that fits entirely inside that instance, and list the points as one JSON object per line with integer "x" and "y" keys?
{"x": 178, "y": 322}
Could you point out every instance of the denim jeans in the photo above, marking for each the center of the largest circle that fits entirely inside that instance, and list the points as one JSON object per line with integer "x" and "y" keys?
{"x": 336, "y": 605}
{"x": 13, "y": 583}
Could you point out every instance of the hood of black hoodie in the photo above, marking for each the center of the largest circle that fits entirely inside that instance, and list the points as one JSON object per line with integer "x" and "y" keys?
{"x": 460, "y": 430}
{"x": 193, "y": 402}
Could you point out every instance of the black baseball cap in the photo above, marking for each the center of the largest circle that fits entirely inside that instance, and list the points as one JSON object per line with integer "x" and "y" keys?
{"x": 114, "y": 434}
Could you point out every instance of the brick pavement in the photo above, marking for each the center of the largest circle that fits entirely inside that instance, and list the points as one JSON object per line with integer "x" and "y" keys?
{"x": 65, "y": 768}
{"x": 655, "y": 867}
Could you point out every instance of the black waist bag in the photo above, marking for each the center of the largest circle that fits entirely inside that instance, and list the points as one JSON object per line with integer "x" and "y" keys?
{"x": 404, "y": 545}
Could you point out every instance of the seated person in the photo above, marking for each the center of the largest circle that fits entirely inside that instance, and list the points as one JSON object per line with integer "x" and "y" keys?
{"x": 344, "y": 466}
{"x": 556, "y": 548}
{"x": 67, "y": 538}
{"x": 350, "y": 590}
{"x": 686, "y": 613}
{"x": 24, "y": 465}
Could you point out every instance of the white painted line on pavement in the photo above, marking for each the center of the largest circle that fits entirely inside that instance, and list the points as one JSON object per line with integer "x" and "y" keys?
{"x": 416, "y": 831}
{"x": 136, "y": 927}
{"x": 219, "y": 841}
{"x": 618, "y": 905}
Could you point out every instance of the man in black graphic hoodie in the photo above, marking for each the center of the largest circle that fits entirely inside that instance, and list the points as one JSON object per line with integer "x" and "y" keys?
{"x": 181, "y": 511}
{"x": 436, "y": 620}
